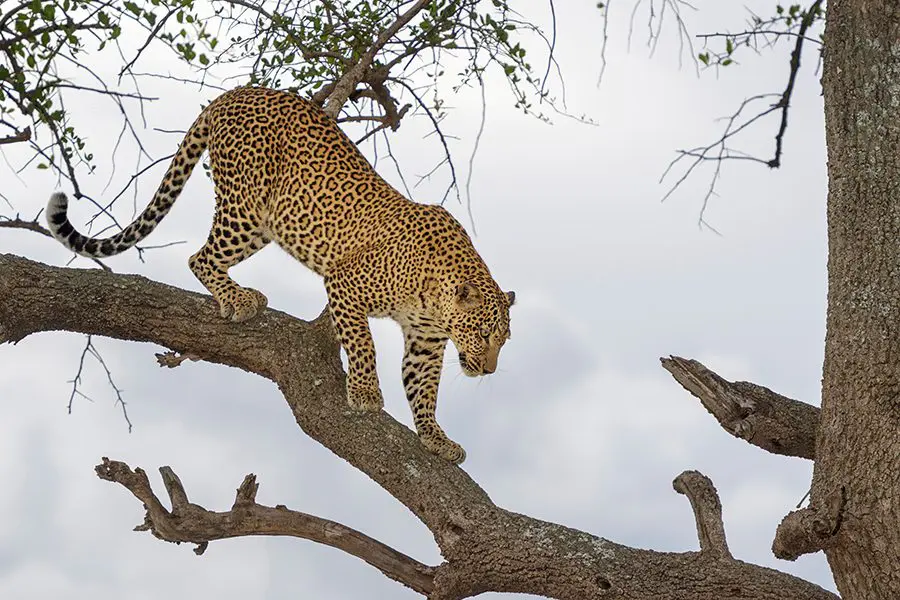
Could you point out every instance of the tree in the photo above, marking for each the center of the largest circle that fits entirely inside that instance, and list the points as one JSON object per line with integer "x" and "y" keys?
{"x": 487, "y": 548}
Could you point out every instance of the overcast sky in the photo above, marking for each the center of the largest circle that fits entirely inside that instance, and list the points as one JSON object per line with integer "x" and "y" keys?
{"x": 580, "y": 425}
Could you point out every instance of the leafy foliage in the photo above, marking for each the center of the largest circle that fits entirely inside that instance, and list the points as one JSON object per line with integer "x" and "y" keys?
{"x": 46, "y": 47}
{"x": 786, "y": 22}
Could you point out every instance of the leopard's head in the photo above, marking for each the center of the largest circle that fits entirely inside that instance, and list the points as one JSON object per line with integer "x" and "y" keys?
{"x": 478, "y": 324}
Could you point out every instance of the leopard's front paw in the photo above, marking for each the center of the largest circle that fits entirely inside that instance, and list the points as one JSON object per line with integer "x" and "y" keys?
{"x": 242, "y": 304}
{"x": 444, "y": 447}
{"x": 364, "y": 398}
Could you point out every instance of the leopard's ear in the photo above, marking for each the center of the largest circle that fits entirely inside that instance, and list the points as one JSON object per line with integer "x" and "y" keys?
{"x": 467, "y": 296}
{"x": 511, "y": 296}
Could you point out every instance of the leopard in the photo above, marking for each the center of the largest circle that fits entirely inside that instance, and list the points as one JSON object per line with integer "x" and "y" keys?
{"x": 283, "y": 171}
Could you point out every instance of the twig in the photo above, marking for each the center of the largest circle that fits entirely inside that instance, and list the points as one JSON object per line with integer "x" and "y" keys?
{"x": 119, "y": 400}
{"x": 21, "y": 136}
{"x": 89, "y": 348}
{"x": 724, "y": 152}
{"x": 35, "y": 226}
{"x": 75, "y": 381}
{"x": 785, "y": 102}
{"x": 437, "y": 129}
{"x": 474, "y": 152}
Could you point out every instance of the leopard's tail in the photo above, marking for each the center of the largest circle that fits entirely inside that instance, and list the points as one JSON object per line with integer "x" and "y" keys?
{"x": 187, "y": 156}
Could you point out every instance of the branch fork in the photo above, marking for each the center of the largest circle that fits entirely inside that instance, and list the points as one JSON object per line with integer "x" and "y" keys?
{"x": 188, "y": 522}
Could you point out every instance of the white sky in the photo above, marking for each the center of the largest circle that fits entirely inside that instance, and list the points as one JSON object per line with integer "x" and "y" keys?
{"x": 580, "y": 426}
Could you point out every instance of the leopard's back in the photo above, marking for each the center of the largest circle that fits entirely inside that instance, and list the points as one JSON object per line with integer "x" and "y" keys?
{"x": 278, "y": 156}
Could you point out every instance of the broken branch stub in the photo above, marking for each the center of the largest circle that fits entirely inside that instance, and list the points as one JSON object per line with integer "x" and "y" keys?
{"x": 754, "y": 413}
{"x": 707, "y": 507}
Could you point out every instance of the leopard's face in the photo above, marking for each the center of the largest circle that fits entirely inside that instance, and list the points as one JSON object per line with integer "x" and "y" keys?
{"x": 479, "y": 325}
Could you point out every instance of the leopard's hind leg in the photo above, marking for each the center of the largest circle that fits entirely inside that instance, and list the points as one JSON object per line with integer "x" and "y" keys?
{"x": 349, "y": 314}
{"x": 231, "y": 240}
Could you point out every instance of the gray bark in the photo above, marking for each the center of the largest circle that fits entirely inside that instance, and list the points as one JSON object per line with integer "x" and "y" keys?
{"x": 485, "y": 547}
{"x": 856, "y": 479}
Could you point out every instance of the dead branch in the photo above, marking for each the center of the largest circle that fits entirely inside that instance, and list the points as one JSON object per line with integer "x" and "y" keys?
{"x": 187, "y": 522}
{"x": 810, "y": 529}
{"x": 749, "y": 411}
{"x": 486, "y": 548}
{"x": 707, "y": 512}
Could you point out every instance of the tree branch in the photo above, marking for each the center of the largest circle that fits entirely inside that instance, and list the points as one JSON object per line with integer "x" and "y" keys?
{"x": 36, "y": 227}
{"x": 19, "y": 136}
{"x": 486, "y": 548}
{"x": 719, "y": 151}
{"x": 810, "y": 529}
{"x": 188, "y": 522}
{"x": 355, "y": 74}
{"x": 749, "y": 411}
{"x": 785, "y": 101}
{"x": 707, "y": 511}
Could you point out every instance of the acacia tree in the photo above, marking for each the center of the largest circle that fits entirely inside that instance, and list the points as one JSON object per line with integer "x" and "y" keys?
{"x": 351, "y": 51}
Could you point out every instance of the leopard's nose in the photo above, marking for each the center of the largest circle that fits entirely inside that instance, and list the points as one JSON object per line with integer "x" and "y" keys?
{"x": 490, "y": 363}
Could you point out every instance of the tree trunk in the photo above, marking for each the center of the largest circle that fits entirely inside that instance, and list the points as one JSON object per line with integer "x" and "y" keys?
{"x": 856, "y": 480}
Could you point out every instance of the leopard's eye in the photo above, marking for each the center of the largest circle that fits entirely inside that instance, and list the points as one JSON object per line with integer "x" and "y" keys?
{"x": 485, "y": 333}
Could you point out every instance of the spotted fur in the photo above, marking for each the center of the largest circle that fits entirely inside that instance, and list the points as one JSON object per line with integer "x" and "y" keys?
{"x": 285, "y": 172}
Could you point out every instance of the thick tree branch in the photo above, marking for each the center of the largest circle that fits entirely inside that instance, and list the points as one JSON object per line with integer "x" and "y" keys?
{"x": 188, "y": 522}
{"x": 749, "y": 411}
{"x": 486, "y": 548}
